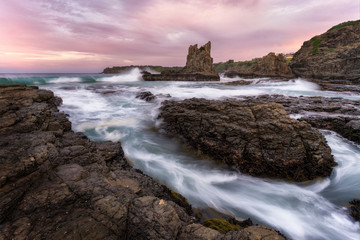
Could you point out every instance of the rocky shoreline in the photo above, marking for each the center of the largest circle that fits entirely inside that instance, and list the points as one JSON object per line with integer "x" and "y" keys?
{"x": 57, "y": 184}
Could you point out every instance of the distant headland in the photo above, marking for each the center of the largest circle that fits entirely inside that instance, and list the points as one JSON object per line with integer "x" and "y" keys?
{"x": 329, "y": 57}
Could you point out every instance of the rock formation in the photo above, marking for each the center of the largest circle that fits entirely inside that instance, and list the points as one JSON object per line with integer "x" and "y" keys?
{"x": 271, "y": 65}
{"x": 56, "y": 184}
{"x": 255, "y": 138}
{"x": 199, "y": 67}
{"x": 199, "y": 61}
{"x": 334, "y": 54}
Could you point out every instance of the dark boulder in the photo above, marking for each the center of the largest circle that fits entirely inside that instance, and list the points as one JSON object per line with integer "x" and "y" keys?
{"x": 147, "y": 96}
{"x": 255, "y": 138}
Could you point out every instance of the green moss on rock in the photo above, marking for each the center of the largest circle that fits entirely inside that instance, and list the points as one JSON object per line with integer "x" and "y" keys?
{"x": 344, "y": 24}
{"x": 179, "y": 197}
{"x": 220, "y": 225}
{"x": 315, "y": 41}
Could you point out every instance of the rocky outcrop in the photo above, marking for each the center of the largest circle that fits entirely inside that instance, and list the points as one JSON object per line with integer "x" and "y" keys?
{"x": 177, "y": 76}
{"x": 336, "y": 114}
{"x": 56, "y": 184}
{"x": 199, "y": 67}
{"x": 271, "y": 65}
{"x": 199, "y": 60}
{"x": 256, "y": 138}
{"x": 334, "y": 54}
{"x": 147, "y": 96}
{"x": 355, "y": 209}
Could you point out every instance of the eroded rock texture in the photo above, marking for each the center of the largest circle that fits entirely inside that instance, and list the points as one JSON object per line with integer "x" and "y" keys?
{"x": 199, "y": 67}
{"x": 271, "y": 65}
{"x": 199, "y": 60}
{"x": 256, "y": 138}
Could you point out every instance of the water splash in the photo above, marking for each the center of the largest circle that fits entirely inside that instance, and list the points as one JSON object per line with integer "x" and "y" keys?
{"x": 133, "y": 75}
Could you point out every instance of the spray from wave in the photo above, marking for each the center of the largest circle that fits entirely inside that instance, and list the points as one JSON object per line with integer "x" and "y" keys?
{"x": 133, "y": 75}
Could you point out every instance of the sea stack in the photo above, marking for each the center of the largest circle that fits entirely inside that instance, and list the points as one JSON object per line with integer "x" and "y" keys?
{"x": 199, "y": 67}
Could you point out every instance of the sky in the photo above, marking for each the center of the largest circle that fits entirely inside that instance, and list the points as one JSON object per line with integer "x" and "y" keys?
{"x": 89, "y": 35}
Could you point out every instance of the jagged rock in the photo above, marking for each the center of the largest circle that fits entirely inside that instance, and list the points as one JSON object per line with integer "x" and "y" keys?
{"x": 334, "y": 54}
{"x": 199, "y": 60}
{"x": 271, "y": 65}
{"x": 256, "y": 138}
{"x": 199, "y": 67}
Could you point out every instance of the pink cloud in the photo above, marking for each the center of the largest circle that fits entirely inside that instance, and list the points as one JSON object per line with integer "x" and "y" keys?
{"x": 86, "y": 36}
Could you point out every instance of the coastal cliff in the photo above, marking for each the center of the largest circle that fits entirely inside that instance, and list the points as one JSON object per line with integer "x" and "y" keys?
{"x": 333, "y": 55}
{"x": 271, "y": 65}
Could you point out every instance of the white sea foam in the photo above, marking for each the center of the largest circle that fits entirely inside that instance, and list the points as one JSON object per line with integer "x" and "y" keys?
{"x": 209, "y": 92}
{"x": 130, "y": 76}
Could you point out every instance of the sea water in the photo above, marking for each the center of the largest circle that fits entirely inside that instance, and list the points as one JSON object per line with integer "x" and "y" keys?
{"x": 105, "y": 107}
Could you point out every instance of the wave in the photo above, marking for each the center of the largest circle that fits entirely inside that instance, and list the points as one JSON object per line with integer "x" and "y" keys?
{"x": 133, "y": 75}
{"x": 43, "y": 80}
{"x": 23, "y": 80}
{"x": 65, "y": 80}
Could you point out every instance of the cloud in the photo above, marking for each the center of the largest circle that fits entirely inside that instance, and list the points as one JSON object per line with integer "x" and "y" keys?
{"x": 89, "y": 35}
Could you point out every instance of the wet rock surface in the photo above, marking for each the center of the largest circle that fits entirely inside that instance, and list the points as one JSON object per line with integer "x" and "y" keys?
{"x": 256, "y": 138}
{"x": 355, "y": 209}
{"x": 147, "y": 96}
{"x": 199, "y": 67}
{"x": 336, "y": 114}
{"x": 338, "y": 85}
{"x": 331, "y": 55}
{"x": 57, "y": 184}
{"x": 271, "y": 65}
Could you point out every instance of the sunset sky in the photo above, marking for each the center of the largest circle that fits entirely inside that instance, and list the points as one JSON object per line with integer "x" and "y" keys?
{"x": 89, "y": 35}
